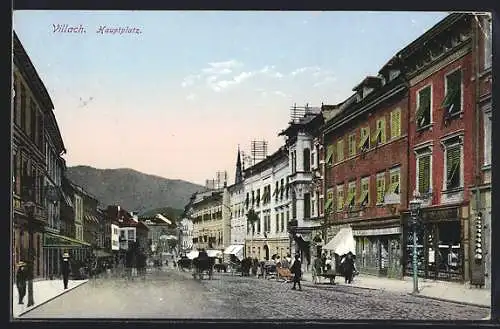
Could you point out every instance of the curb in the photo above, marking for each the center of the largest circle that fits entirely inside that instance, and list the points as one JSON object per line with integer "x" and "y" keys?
{"x": 50, "y": 299}
{"x": 449, "y": 300}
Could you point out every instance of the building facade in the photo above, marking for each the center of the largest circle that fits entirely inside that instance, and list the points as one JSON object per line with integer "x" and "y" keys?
{"x": 186, "y": 235}
{"x": 208, "y": 225}
{"x": 267, "y": 195}
{"x": 56, "y": 166}
{"x": 365, "y": 161}
{"x": 157, "y": 228}
{"x": 438, "y": 68}
{"x": 31, "y": 102}
{"x": 305, "y": 182}
{"x": 481, "y": 193}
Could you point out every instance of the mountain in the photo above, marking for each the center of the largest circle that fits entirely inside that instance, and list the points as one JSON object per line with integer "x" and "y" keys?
{"x": 131, "y": 189}
{"x": 168, "y": 212}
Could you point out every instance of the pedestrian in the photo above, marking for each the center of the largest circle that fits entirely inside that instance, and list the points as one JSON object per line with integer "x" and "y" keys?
{"x": 21, "y": 277}
{"x": 348, "y": 267}
{"x": 296, "y": 270}
{"x": 66, "y": 269}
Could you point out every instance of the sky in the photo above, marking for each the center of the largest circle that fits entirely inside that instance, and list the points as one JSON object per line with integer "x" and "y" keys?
{"x": 176, "y": 97}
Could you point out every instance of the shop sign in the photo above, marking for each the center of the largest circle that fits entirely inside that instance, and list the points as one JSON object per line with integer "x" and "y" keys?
{"x": 377, "y": 231}
{"x": 441, "y": 214}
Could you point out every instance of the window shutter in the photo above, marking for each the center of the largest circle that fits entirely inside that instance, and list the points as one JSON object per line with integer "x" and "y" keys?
{"x": 329, "y": 154}
{"x": 340, "y": 198}
{"x": 381, "y": 128}
{"x": 340, "y": 150}
{"x": 380, "y": 189}
{"x": 452, "y": 165}
{"x": 395, "y": 123}
{"x": 424, "y": 174}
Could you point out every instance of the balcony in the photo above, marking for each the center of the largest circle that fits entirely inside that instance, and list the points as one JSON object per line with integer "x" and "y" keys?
{"x": 301, "y": 176}
{"x": 293, "y": 223}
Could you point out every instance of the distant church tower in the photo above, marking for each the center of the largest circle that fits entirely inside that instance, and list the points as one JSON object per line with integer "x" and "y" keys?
{"x": 239, "y": 173}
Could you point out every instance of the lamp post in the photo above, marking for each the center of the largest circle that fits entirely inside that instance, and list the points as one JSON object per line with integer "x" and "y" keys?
{"x": 30, "y": 211}
{"x": 415, "y": 205}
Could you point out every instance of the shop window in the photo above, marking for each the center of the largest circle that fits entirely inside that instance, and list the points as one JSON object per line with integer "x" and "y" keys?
{"x": 380, "y": 187}
{"x": 396, "y": 123}
{"x": 340, "y": 150}
{"x": 352, "y": 145}
{"x": 424, "y": 107}
{"x": 452, "y": 103}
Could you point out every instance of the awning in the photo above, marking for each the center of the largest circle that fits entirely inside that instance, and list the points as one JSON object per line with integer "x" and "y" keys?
{"x": 236, "y": 250}
{"x": 342, "y": 243}
{"x": 55, "y": 240}
{"x": 214, "y": 253}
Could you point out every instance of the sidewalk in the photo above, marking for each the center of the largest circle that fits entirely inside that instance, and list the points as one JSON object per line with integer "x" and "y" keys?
{"x": 440, "y": 290}
{"x": 43, "y": 291}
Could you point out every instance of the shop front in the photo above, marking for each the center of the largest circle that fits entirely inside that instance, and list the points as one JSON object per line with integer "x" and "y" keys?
{"x": 55, "y": 245}
{"x": 378, "y": 251}
{"x": 440, "y": 247}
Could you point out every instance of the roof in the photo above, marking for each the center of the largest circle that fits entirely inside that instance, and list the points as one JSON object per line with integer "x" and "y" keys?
{"x": 441, "y": 26}
{"x": 368, "y": 81}
{"x": 24, "y": 64}
{"x": 54, "y": 132}
{"x": 281, "y": 153}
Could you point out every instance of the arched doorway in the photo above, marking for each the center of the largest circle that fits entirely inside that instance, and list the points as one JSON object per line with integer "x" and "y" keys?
{"x": 266, "y": 250}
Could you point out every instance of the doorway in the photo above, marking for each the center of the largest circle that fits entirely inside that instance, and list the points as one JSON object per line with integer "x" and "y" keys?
{"x": 266, "y": 251}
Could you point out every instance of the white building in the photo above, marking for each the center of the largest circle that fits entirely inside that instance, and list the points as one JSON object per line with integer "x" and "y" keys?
{"x": 266, "y": 193}
{"x": 186, "y": 234}
{"x": 303, "y": 147}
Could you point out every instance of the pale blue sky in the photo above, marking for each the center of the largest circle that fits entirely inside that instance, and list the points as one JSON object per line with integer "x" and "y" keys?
{"x": 177, "y": 99}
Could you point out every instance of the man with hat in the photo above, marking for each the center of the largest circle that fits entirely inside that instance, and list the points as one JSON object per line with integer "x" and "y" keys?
{"x": 21, "y": 277}
{"x": 66, "y": 269}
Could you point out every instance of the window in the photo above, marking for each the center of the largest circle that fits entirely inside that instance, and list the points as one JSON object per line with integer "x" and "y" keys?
{"x": 15, "y": 119}
{"x": 453, "y": 167}
{"x": 487, "y": 138}
{"x": 258, "y": 225}
{"x": 253, "y": 197}
{"x": 282, "y": 188}
{"x": 379, "y": 136}
{"x": 395, "y": 177}
{"x": 396, "y": 123}
{"x": 282, "y": 222}
{"x": 257, "y": 201}
{"x": 487, "y": 42}
{"x": 364, "y": 198}
{"x": 131, "y": 235}
{"x": 277, "y": 223}
{"x": 340, "y": 150}
{"x": 423, "y": 115}
{"x": 351, "y": 194}
{"x": 276, "y": 191}
{"x": 340, "y": 197}
{"x": 307, "y": 159}
{"x": 329, "y": 200}
{"x": 452, "y": 103}
{"x": 329, "y": 154}
{"x": 23, "y": 108}
{"x": 380, "y": 187}
{"x": 352, "y": 145}
{"x": 307, "y": 205}
{"x": 424, "y": 173}
{"x": 33, "y": 125}
{"x": 364, "y": 142}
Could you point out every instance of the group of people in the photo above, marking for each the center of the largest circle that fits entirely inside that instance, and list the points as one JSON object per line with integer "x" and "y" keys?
{"x": 346, "y": 266}
{"x": 135, "y": 261}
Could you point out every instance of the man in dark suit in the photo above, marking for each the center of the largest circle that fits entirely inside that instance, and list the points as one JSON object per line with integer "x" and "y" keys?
{"x": 296, "y": 269}
{"x": 21, "y": 277}
{"x": 66, "y": 269}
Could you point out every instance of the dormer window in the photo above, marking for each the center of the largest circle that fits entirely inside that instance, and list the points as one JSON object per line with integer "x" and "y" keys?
{"x": 366, "y": 91}
{"x": 393, "y": 74}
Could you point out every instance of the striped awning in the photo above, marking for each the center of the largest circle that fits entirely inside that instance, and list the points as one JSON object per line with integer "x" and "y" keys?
{"x": 91, "y": 218}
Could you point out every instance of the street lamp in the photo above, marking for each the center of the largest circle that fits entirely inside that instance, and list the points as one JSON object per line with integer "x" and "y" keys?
{"x": 29, "y": 207}
{"x": 415, "y": 205}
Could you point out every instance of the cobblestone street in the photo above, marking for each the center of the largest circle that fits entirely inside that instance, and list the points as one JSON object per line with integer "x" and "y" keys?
{"x": 175, "y": 294}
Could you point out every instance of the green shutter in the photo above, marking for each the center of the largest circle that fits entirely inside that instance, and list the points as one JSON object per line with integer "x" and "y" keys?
{"x": 395, "y": 123}
{"x": 380, "y": 189}
{"x": 424, "y": 174}
{"x": 452, "y": 166}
